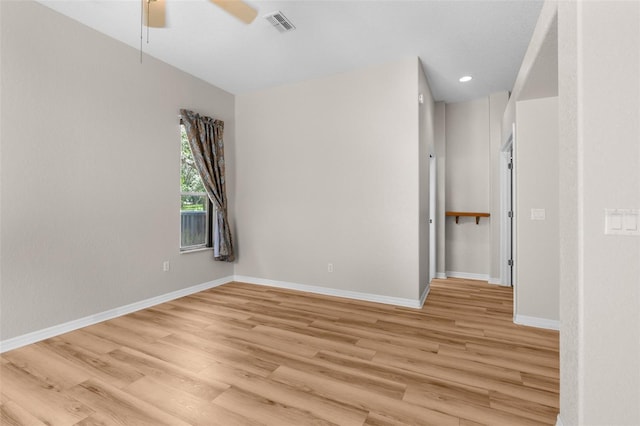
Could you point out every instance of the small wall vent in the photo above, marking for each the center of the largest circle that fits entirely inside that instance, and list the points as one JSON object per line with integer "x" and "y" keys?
{"x": 280, "y": 22}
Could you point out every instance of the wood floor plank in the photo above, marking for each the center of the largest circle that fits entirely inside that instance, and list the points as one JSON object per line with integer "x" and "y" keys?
{"x": 11, "y": 414}
{"x": 117, "y": 407}
{"x": 47, "y": 366}
{"x": 261, "y": 408}
{"x": 272, "y": 340}
{"x": 472, "y": 412}
{"x": 100, "y": 366}
{"x": 41, "y": 399}
{"x": 512, "y": 404}
{"x": 535, "y": 356}
{"x": 230, "y": 351}
{"x": 371, "y": 333}
{"x": 241, "y": 354}
{"x": 498, "y": 361}
{"x": 126, "y": 332}
{"x": 331, "y": 411}
{"x": 255, "y": 355}
{"x": 183, "y": 405}
{"x": 440, "y": 387}
{"x": 430, "y": 364}
{"x": 550, "y": 384}
{"x": 317, "y": 343}
{"x": 359, "y": 398}
{"x": 170, "y": 374}
{"x": 88, "y": 341}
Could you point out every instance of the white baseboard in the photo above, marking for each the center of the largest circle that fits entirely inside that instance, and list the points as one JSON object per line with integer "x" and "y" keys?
{"x": 559, "y": 421}
{"x": 537, "y": 322}
{"x": 494, "y": 280}
{"x": 441, "y": 275}
{"x": 424, "y": 294}
{"x": 468, "y": 276}
{"x": 56, "y": 330}
{"x": 368, "y": 297}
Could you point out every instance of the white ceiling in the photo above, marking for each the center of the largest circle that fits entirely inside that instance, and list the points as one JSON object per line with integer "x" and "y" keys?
{"x": 485, "y": 39}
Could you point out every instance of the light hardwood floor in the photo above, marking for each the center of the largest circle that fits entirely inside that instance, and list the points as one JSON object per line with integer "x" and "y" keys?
{"x": 241, "y": 354}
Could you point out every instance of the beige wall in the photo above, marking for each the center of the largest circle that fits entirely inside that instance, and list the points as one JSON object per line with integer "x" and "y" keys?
{"x": 538, "y": 265}
{"x": 467, "y": 186}
{"x": 535, "y": 78}
{"x": 441, "y": 155}
{"x": 90, "y": 172}
{"x": 599, "y": 107}
{"x": 328, "y": 171}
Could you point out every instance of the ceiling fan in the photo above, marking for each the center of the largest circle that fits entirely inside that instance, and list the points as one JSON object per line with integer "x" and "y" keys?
{"x": 155, "y": 13}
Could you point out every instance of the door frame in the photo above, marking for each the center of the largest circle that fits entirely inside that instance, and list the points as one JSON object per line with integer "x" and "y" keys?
{"x": 508, "y": 200}
{"x": 433, "y": 188}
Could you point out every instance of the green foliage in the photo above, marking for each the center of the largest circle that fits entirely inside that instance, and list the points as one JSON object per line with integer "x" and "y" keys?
{"x": 192, "y": 207}
{"x": 189, "y": 178}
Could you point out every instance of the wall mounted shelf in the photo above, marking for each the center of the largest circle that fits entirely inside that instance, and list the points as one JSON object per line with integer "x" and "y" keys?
{"x": 477, "y": 215}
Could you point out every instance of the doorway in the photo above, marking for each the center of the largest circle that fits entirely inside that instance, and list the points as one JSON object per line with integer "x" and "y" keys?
{"x": 508, "y": 211}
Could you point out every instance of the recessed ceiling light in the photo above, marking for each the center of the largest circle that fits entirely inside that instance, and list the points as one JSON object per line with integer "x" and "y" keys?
{"x": 465, "y": 78}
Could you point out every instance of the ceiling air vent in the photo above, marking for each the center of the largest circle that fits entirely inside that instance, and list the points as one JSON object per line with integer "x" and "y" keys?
{"x": 280, "y": 22}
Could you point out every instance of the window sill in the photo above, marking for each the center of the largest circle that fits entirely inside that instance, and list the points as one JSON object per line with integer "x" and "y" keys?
{"x": 195, "y": 250}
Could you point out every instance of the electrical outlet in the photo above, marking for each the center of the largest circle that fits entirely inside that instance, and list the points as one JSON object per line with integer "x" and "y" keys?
{"x": 330, "y": 267}
{"x": 166, "y": 266}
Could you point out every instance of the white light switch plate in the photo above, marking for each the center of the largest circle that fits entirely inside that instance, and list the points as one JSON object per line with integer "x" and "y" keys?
{"x": 622, "y": 222}
{"x": 538, "y": 214}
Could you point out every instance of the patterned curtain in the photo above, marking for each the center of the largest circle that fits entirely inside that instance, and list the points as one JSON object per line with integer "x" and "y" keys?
{"x": 206, "y": 141}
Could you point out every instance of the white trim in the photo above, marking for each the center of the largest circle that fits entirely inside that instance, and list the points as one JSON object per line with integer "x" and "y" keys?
{"x": 559, "y": 421}
{"x": 424, "y": 294}
{"x": 441, "y": 275}
{"x": 494, "y": 280}
{"x": 56, "y": 330}
{"x": 468, "y": 275}
{"x": 196, "y": 250}
{"x": 507, "y": 192}
{"x": 515, "y": 207}
{"x": 433, "y": 216}
{"x": 368, "y": 297}
{"x": 537, "y": 322}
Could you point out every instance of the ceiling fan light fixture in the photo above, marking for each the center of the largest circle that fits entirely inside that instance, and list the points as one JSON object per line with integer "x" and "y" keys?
{"x": 155, "y": 15}
{"x": 238, "y": 8}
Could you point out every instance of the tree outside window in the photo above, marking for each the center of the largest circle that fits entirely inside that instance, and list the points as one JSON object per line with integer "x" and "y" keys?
{"x": 195, "y": 207}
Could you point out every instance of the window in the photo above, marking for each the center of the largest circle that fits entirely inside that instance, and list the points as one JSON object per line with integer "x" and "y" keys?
{"x": 195, "y": 206}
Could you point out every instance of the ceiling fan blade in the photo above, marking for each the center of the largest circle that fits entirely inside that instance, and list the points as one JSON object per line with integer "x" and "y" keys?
{"x": 155, "y": 13}
{"x": 238, "y": 8}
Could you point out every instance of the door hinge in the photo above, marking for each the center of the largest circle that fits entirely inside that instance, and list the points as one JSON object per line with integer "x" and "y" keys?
{"x": 510, "y": 262}
{"x": 430, "y": 220}
{"x": 510, "y": 166}
{"x": 510, "y": 214}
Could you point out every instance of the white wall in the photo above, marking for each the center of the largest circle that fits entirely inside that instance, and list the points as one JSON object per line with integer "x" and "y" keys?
{"x": 467, "y": 187}
{"x": 90, "y": 172}
{"x": 441, "y": 163}
{"x": 538, "y": 264}
{"x": 599, "y": 105}
{"x": 537, "y": 76}
{"x": 328, "y": 172}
